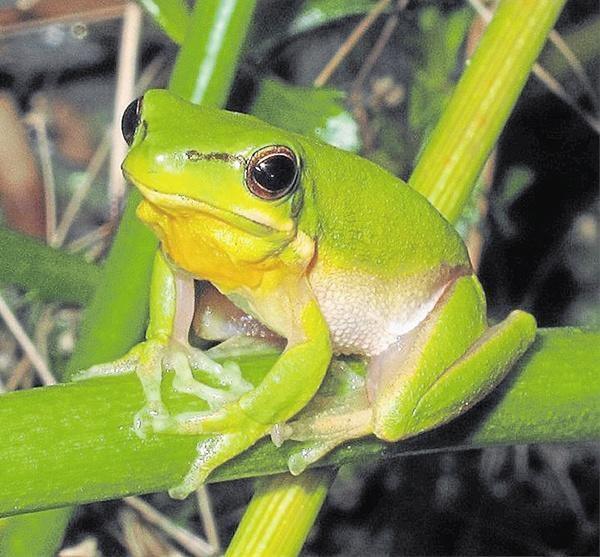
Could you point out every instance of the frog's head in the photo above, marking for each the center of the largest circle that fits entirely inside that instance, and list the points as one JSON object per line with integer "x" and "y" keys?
{"x": 215, "y": 183}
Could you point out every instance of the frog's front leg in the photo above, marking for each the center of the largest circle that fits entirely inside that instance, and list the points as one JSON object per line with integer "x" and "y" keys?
{"x": 283, "y": 392}
{"x": 166, "y": 348}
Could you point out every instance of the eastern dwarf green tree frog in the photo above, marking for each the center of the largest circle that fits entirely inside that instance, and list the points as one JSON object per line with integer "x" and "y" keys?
{"x": 325, "y": 249}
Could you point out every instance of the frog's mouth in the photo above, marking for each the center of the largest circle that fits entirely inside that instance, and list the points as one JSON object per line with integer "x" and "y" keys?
{"x": 251, "y": 224}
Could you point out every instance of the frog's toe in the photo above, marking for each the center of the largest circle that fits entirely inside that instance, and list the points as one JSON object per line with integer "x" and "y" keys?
{"x": 116, "y": 367}
{"x": 227, "y": 375}
{"x": 150, "y": 419}
{"x": 310, "y": 453}
{"x": 320, "y": 433}
{"x": 215, "y": 398}
{"x": 211, "y": 453}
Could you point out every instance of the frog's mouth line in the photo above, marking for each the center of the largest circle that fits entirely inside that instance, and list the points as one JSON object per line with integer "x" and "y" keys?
{"x": 243, "y": 222}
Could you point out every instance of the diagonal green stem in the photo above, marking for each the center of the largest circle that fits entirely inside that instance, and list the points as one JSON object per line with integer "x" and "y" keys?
{"x": 481, "y": 103}
{"x": 67, "y": 455}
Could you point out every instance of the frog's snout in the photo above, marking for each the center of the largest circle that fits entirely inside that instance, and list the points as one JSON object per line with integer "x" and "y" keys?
{"x": 132, "y": 118}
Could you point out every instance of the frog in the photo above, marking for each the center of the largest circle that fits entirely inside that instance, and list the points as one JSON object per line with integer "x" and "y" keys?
{"x": 315, "y": 246}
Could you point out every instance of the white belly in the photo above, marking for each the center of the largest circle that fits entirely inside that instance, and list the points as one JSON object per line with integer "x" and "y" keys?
{"x": 366, "y": 314}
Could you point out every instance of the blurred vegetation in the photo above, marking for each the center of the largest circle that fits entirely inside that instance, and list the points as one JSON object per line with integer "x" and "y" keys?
{"x": 533, "y": 226}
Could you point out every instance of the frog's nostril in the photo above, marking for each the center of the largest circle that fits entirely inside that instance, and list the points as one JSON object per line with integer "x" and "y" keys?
{"x": 131, "y": 119}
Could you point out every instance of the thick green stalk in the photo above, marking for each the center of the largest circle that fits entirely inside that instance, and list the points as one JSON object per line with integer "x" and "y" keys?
{"x": 280, "y": 515}
{"x": 56, "y": 451}
{"x": 481, "y": 103}
{"x": 212, "y": 44}
{"x": 116, "y": 317}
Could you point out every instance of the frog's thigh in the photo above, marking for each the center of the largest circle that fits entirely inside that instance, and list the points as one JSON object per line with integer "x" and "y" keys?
{"x": 445, "y": 365}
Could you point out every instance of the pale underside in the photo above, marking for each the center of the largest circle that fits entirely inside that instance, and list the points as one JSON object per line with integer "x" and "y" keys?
{"x": 365, "y": 314}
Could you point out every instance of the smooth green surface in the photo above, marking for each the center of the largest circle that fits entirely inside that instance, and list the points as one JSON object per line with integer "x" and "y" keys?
{"x": 317, "y": 112}
{"x": 481, "y": 103}
{"x": 206, "y": 64}
{"x": 54, "y": 275}
{"x": 81, "y": 447}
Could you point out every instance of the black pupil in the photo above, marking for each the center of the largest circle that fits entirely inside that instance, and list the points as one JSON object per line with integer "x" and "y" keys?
{"x": 130, "y": 120}
{"x": 275, "y": 173}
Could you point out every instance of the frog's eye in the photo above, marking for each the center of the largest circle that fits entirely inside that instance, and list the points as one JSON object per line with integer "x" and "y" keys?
{"x": 272, "y": 172}
{"x": 131, "y": 119}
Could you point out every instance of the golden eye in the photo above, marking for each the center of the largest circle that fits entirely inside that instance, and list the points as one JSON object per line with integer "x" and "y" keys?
{"x": 272, "y": 172}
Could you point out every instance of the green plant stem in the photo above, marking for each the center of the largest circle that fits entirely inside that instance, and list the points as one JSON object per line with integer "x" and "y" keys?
{"x": 481, "y": 103}
{"x": 81, "y": 447}
{"x": 116, "y": 317}
{"x": 211, "y": 56}
{"x": 171, "y": 16}
{"x": 54, "y": 275}
{"x": 281, "y": 514}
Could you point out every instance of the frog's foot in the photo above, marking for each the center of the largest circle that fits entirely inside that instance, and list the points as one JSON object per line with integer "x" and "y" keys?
{"x": 230, "y": 384}
{"x": 211, "y": 453}
{"x": 231, "y": 432}
{"x": 151, "y": 358}
{"x": 339, "y": 412}
{"x": 126, "y": 364}
{"x": 321, "y": 434}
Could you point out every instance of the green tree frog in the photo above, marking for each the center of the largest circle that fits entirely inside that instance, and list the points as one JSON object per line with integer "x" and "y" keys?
{"x": 326, "y": 250}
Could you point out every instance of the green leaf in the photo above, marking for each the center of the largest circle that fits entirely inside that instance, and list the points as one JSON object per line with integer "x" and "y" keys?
{"x": 310, "y": 111}
{"x": 441, "y": 38}
{"x": 293, "y": 21}
{"x": 73, "y": 443}
{"x": 318, "y": 13}
{"x": 52, "y": 274}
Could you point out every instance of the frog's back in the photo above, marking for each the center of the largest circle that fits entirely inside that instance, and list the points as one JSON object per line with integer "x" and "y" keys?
{"x": 384, "y": 254}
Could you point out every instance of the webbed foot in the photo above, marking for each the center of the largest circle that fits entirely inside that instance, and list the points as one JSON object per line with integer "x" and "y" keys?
{"x": 151, "y": 358}
{"x": 339, "y": 411}
{"x": 231, "y": 432}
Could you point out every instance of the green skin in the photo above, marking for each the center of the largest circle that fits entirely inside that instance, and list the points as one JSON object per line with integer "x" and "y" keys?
{"x": 351, "y": 261}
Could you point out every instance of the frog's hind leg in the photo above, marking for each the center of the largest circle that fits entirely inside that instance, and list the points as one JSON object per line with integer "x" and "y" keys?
{"x": 445, "y": 365}
{"x": 338, "y": 412}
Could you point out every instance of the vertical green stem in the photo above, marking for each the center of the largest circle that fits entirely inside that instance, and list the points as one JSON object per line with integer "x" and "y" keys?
{"x": 281, "y": 514}
{"x": 481, "y": 103}
{"x": 211, "y": 49}
{"x": 116, "y": 317}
